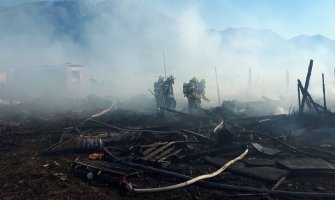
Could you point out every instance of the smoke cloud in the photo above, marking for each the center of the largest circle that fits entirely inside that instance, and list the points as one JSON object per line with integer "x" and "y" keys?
{"x": 121, "y": 44}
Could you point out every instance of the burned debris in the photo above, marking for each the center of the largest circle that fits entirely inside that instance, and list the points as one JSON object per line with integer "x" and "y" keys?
{"x": 210, "y": 154}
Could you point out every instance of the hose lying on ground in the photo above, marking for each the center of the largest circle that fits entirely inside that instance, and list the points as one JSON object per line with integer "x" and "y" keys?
{"x": 221, "y": 186}
{"x": 222, "y": 123}
{"x": 218, "y": 127}
{"x": 102, "y": 112}
{"x": 98, "y": 114}
{"x": 189, "y": 182}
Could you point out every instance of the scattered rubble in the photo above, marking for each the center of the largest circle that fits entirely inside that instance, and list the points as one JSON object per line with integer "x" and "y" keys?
{"x": 123, "y": 154}
{"x": 108, "y": 157}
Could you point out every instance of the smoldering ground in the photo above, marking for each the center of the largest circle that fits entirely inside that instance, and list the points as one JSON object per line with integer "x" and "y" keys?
{"x": 121, "y": 44}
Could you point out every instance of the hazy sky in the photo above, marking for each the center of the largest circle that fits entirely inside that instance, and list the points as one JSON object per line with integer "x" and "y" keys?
{"x": 13, "y": 2}
{"x": 286, "y": 17}
{"x": 126, "y": 39}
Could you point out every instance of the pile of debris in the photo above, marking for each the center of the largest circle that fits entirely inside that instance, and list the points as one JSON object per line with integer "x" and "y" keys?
{"x": 211, "y": 154}
{"x": 269, "y": 151}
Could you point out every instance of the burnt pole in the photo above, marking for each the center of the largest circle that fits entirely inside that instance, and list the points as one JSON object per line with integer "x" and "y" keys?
{"x": 164, "y": 64}
{"x": 287, "y": 81}
{"x": 299, "y": 100}
{"x": 217, "y": 86}
{"x": 310, "y": 67}
{"x": 324, "y": 94}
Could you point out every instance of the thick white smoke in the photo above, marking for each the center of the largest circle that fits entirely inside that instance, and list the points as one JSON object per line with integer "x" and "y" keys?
{"x": 121, "y": 43}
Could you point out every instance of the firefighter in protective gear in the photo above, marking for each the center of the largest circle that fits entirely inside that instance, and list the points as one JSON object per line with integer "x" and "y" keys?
{"x": 190, "y": 92}
{"x": 201, "y": 90}
{"x": 194, "y": 91}
{"x": 167, "y": 91}
{"x": 158, "y": 85}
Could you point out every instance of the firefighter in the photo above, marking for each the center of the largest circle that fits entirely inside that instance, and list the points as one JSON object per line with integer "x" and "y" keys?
{"x": 167, "y": 92}
{"x": 191, "y": 93}
{"x": 195, "y": 91}
{"x": 201, "y": 90}
{"x": 158, "y": 85}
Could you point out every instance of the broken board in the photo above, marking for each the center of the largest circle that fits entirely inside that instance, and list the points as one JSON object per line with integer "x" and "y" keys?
{"x": 109, "y": 167}
{"x": 256, "y": 162}
{"x": 266, "y": 150}
{"x": 270, "y": 174}
{"x": 306, "y": 164}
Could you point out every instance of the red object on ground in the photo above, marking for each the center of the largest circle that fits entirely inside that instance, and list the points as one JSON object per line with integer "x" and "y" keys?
{"x": 95, "y": 156}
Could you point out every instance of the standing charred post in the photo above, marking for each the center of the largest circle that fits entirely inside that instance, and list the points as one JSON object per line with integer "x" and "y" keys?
{"x": 287, "y": 81}
{"x": 217, "y": 87}
{"x": 249, "y": 78}
{"x": 299, "y": 100}
{"x": 309, "y": 100}
{"x": 310, "y": 67}
{"x": 164, "y": 64}
{"x": 324, "y": 94}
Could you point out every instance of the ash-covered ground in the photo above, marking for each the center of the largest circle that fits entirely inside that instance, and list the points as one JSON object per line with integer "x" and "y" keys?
{"x": 65, "y": 155}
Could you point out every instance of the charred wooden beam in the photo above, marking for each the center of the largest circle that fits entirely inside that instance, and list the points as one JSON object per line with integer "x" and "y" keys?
{"x": 324, "y": 94}
{"x": 309, "y": 98}
{"x": 310, "y": 67}
{"x": 199, "y": 136}
{"x": 108, "y": 167}
{"x": 219, "y": 185}
{"x": 157, "y": 151}
{"x": 304, "y": 95}
{"x": 299, "y": 99}
{"x": 210, "y": 152}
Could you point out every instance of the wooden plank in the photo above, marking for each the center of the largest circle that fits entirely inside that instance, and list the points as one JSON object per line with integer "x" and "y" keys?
{"x": 164, "y": 153}
{"x": 123, "y": 136}
{"x": 306, "y": 164}
{"x": 107, "y": 167}
{"x": 309, "y": 98}
{"x": 171, "y": 154}
{"x": 266, "y": 150}
{"x": 152, "y": 148}
{"x": 259, "y": 162}
{"x": 310, "y": 67}
{"x": 270, "y": 174}
{"x": 158, "y": 150}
